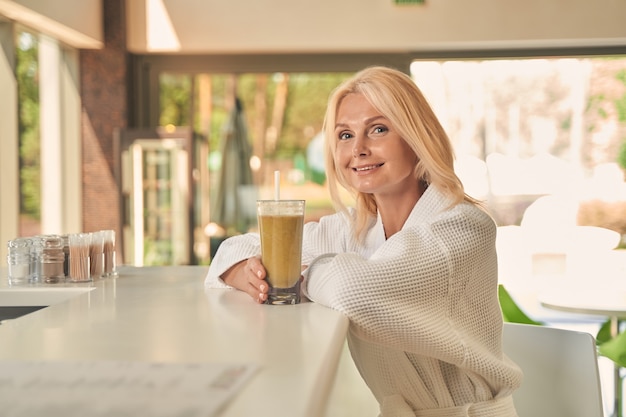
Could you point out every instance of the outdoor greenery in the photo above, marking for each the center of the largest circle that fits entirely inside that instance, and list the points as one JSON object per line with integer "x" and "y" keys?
{"x": 291, "y": 104}
{"x": 175, "y": 94}
{"x": 27, "y": 73}
{"x": 511, "y": 312}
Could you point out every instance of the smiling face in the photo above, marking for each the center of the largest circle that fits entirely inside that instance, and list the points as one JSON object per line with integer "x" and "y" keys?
{"x": 371, "y": 155}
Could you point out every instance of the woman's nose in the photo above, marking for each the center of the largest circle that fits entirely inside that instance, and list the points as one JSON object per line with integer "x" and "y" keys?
{"x": 359, "y": 147}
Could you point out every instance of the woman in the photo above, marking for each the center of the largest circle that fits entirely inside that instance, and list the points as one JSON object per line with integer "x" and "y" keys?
{"x": 413, "y": 265}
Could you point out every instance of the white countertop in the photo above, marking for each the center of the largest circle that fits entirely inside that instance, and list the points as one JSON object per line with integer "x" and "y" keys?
{"x": 164, "y": 314}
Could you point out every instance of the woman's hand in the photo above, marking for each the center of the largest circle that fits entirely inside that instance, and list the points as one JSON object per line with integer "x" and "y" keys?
{"x": 248, "y": 276}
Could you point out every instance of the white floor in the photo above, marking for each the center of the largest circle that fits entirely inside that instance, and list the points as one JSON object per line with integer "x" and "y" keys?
{"x": 350, "y": 396}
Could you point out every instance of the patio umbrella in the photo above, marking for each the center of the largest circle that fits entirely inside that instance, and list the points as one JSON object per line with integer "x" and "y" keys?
{"x": 235, "y": 199}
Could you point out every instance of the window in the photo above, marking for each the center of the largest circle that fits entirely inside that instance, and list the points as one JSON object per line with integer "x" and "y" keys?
{"x": 282, "y": 115}
{"x": 27, "y": 70}
{"x": 525, "y": 128}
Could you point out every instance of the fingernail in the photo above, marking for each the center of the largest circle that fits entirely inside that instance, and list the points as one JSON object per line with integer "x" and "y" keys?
{"x": 258, "y": 274}
{"x": 262, "y": 287}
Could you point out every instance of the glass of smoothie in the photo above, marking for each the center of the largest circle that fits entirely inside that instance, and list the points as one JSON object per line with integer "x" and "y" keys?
{"x": 280, "y": 227}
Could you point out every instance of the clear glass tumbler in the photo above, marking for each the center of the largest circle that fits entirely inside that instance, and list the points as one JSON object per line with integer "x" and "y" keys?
{"x": 280, "y": 226}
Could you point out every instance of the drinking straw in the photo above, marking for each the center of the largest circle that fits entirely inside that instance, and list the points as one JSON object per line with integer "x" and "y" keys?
{"x": 276, "y": 185}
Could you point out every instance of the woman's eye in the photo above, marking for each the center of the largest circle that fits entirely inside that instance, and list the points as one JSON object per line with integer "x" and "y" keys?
{"x": 344, "y": 135}
{"x": 379, "y": 129}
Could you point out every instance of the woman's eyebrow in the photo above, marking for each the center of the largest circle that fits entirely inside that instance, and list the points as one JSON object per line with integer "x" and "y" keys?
{"x": 366, "y": 121}
{"x": 374, "y": 118}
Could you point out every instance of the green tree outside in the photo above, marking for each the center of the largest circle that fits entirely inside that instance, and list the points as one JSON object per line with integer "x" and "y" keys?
{"x": 27, "y": 72}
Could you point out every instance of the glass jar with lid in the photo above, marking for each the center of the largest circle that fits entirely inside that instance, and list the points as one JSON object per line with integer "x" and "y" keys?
{"x": 18, "y": 260}
{"x": 52, "y": 259}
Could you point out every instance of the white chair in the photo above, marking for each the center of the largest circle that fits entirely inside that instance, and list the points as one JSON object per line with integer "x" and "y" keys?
{"x": 561, "y": 376}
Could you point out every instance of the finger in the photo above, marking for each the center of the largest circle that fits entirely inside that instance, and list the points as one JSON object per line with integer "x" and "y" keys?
{"x": 258, "y": 288}
{"x": 257, "y": 294}
{"x": 255, "y": 272}
{"x": 256, "y": 267}
{"x": 262, "y": 297}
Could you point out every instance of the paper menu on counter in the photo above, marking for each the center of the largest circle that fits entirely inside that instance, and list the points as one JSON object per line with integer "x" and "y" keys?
{"x": 118, "y": 388}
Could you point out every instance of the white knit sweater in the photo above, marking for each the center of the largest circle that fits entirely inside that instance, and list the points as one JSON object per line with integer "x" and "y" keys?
{"x": 425, "y": 322}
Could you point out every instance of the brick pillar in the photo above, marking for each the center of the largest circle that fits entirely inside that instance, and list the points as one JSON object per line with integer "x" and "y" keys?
{"x": 103, "y": 82}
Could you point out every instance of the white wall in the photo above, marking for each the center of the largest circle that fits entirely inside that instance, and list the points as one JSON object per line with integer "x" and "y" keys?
{"x": 285, "y": 26}
{"x": 80, "y": 27}
{"x": 77, "y": 23}
{"x": 9, "y": 162}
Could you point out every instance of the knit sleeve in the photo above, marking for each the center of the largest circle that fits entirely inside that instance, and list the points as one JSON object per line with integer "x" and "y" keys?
{"x": 416, "y": 289}
{"x": 318, "y": 237}
{"x": 329, "y": 235}
{"x": 231, "y": 251}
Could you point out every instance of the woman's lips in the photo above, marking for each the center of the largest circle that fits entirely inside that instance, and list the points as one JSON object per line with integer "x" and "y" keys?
{"x": 366, "y": 168}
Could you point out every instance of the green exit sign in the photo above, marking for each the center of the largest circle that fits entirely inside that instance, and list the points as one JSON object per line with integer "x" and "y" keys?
{"x": 409, "y": 1}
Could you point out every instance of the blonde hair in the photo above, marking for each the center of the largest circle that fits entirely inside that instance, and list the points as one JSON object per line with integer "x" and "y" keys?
{"x": 397, "y": 98}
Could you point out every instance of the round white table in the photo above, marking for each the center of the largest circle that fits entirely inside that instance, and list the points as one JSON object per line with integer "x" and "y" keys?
{"x": 598, "y": 301}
